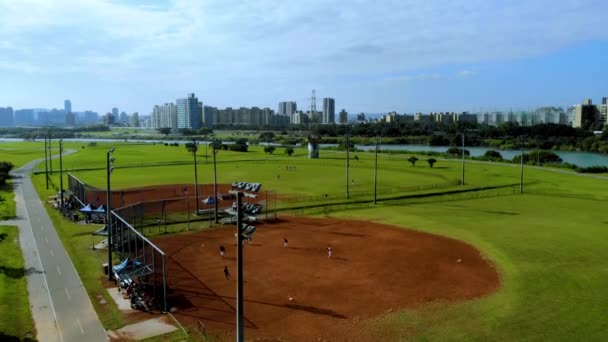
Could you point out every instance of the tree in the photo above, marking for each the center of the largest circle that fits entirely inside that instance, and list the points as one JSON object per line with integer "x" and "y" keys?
{"x": 269, "y": 149}
{"x": 492, "y": 155}
{"x": 191, "y": 147}
{"x": 289, "y": 151}
{"x": 412, "y": 160}
{"x": 431, "y": 161}
{"x": 164, "y": 130}
{"x": 5, "y": 168}
{"x": 266, "y": 136}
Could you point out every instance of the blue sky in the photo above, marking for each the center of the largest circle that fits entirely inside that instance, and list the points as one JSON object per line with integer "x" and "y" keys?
{"x": 371, "y": 56}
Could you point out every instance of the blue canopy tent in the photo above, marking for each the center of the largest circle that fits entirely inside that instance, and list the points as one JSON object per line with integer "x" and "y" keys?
{"x": 100, "y": 210}
{"x": 86, "y": 209}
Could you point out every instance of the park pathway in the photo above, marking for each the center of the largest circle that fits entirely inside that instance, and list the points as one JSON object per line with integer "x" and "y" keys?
{"x": 60, "y": 306}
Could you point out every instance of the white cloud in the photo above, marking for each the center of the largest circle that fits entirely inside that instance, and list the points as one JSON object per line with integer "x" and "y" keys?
{"x": 229, "y": 43}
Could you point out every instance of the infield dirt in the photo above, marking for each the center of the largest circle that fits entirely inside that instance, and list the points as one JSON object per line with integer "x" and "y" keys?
{"x": 374, "y": 269}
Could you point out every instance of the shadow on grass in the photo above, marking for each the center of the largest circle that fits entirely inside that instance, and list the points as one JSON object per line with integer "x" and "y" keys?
{"x": 17, "y": 272}
{"x": 9, "y": 338}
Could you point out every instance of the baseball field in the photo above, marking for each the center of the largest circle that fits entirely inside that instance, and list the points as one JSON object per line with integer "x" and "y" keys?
{"x": 541, "y": 254}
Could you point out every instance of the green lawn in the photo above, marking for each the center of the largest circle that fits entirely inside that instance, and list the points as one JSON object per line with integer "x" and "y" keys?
{"x": 550, "y": 244}
{"x": 16, "y": 319}
{"x": 552, "y": 255}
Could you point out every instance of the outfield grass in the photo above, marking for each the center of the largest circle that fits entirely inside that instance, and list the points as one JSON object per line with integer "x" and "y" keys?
{"x": 16, "y": 319}
{"x": 551, "y": 253}
{"x": 550, "y": 244}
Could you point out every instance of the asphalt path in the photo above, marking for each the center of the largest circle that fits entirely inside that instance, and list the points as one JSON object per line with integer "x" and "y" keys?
{"x": 61, "y": 308}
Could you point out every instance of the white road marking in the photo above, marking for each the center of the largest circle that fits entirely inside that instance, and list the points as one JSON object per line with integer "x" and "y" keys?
{"x": 80, "y": 326}
{"x": 52, "y": 254}
{"x": 46, "y": 240}
{"x": 58, "y": 270}
{"x": 67, "y": 293}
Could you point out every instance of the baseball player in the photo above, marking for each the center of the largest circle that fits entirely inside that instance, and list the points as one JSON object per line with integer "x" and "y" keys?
{"x": 285, "y": 242}
{"x": 222, "y": 251}
{"x": 226, "y": 273}
{"x": 329, "y": 251}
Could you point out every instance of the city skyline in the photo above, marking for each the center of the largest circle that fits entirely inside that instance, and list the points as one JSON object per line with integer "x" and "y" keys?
{"x": 406, "y": 57}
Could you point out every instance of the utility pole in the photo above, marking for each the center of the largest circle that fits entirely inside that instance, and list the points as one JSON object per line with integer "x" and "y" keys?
{"x": 215, "y": 180}
{"x": 462, "y": 158}
{"x": 46, "y": 161}
{"x": 50, "y": 154}
{"x": 376, "y": 172}
{"x": 347, "y": 166}
{"x": 240, "y": 333}
{"x": 194, "y": 150}
{"x": 61, "y": 170}
{"x": 521, "y": 178}
{"x": 109, "y": 160}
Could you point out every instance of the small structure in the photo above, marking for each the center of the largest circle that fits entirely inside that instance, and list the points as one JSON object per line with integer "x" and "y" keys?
{"x": 313, "y": 146}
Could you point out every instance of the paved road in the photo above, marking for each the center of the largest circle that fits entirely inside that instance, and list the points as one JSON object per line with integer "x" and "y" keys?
{"x": 61, "y": 308}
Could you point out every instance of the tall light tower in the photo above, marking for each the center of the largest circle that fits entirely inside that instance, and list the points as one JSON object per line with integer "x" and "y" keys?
{"x": 521, "y": 172}
{"x": 376, "y": 171}
{"x": 46, "y": 160}
{"x": 61, "y": 170}
{"x": 347, "y": 165}
{"x": 109, "y": 160}
{"x": 462, "y": 158}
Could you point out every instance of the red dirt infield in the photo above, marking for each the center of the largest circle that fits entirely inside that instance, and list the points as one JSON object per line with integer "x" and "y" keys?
{"x": 374, "y": 269}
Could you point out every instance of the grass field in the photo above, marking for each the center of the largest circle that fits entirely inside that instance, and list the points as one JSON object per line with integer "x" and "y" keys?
{"x": 16, "y": 322}
{"x": 18, "y": 154}
{"x": 550, "y": 244}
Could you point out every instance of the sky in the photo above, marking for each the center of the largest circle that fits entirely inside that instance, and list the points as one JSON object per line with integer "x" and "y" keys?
{"x": 371, "y": 56}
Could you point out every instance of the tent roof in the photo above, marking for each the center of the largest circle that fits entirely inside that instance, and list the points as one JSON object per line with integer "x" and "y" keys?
{"x": 100, "y": 209}
{"x": 86, "y": 208}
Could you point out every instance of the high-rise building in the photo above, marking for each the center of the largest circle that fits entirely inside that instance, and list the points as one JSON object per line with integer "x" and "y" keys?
{"x": 6, "y": 117}
{"x": 70, "y": 119}
{"x": 90, "y": 117}
{"x": 343, "y": 117}
{"x": 329, "y": 111}
{"x": 67, "y": 106}
{"x": 24, "y": 117}
{"x": 189, "y": 112}
{"x": 164, "y": 116}
{"x": 209, "y": 116}
{"x": 124, "y": 118}
{"x": 134, "y": 120}
{"x": 288, "y": 108}
{"x": 361, "y": 117}
{"x": 585, "y": 115}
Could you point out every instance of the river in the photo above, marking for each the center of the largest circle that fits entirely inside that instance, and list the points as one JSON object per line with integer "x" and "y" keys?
{"x": 583, "y": 159}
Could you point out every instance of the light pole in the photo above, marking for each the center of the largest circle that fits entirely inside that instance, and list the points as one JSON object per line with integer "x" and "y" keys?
{"x": 347, "y": 166}
{"x": 240, "y": 337}
{"x": 50, "y": 154}
{"x": 194, "y": 149}
{"x": 109, "y": 160}
{"x": 215, "y": 179}
{"x": 46, "y": 161}
{"x": 521, "y": 173}
{"x": 61, "y": 170}
{"x": 462, "y": 158}
{"x": 376, "y": 172}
